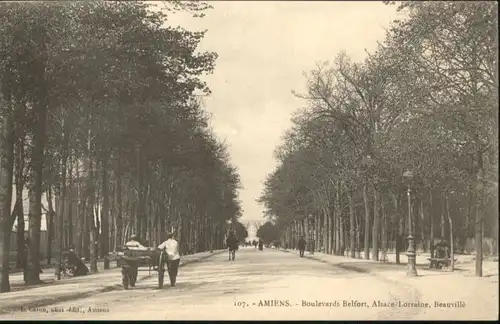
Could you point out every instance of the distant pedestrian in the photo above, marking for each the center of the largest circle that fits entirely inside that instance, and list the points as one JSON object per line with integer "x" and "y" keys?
{"x": 232, "y": 245}
{"x": 171, "y": 247}
{"x": 301, "y": 245}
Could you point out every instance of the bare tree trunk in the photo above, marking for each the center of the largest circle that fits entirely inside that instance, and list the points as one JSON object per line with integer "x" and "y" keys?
{"x": 162, "y": 215}
{"x": 112, "y": 214}
{"x": 60, "y": 225}
{"x": 79, "y": 223}
{"x": 328, "y": 234}
{"x": 358, "y": 234}
{"x": 431, "y": 219}
{"x": 384, "y": 230}
{"x": 119, "y": 203}
{"x": 19, "y": 210}
{"x": 6, "y": 179}
{"x": 479, "y": 238}
{"x": 97, "y": 220}
{"x": 212, "y": 234}
{"x": 480, "y": 204}
{"x": 50, "y": 225}
{"x": 375, "y": 225}
{"x": 316, "y": 231}
{"x": 32, "y": 275}
{"x": 324, "y": 232}
{"x": 337, "y": 214}
{"x": 452, "y": 253}
{"x": 398, "y": 230}
{"x": 18, "y": 213}
{"x": 422, "y": 222}
{"x": 60, "y": 211}
{"x": 337, "y": 230}
{"x": 180, "y": 233}
{"x": 352, "y": 229}
{"x": 69, "y": 202}
{"x": 342, "y": 236}
{"x": 105, "y": 209}
{"x": 37, "y": 161}
{"x": 306, "y": 230}
{"x": 443, "y": 223}
{"x": 466, "y": 225}
{"x": 367, "y": 223}
{"x": 331, "y": 229}
{"x": 149, "y": 214}
{"x": 93, "y": 231}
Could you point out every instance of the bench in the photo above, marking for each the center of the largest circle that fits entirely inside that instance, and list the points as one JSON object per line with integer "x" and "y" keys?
{"x": 439, "y": 263}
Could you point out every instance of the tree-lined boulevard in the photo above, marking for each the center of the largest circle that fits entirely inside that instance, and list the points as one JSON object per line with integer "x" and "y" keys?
{"x": 388, "y": 173}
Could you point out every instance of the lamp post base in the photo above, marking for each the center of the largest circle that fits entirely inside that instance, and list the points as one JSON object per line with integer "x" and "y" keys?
{"x": 412, "y": 258}
{"x": 412, "y": 269}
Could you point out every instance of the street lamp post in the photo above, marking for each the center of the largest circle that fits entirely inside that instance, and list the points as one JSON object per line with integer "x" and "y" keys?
{"x": 412, "y": 270}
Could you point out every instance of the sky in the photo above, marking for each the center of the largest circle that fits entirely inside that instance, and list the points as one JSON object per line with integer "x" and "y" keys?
{"x": 263, "y": 48}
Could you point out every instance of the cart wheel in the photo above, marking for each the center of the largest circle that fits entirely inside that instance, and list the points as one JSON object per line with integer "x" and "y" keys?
{"x": 161, "y": 270}
{"x": 161, "y": 278}
{"x": 125, "y": 279}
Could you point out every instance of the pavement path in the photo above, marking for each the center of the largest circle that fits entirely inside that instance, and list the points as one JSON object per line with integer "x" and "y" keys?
{"x": 17, "y": 301}
{"x": 272, "y": 285}
{"x": 259, "y": 285}
{"x": 462, "y": 295}
{"x": 16, "y": 278}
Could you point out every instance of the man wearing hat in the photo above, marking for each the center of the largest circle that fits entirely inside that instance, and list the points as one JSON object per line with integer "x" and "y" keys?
{"x": 232, "y": 244}
{"x": 134, "y": 244}
{"x": 171, "y": 247}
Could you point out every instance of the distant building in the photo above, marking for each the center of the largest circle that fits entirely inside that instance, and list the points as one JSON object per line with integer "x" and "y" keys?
{"x": 253, "y": 226}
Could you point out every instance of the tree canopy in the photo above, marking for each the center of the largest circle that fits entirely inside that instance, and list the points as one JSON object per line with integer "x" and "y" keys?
{"x": 100, "y": 112}
{"x": 425, "y": 101}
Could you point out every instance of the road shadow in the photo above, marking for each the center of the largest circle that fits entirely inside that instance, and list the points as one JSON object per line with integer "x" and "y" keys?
{"x": 22, "y": 286}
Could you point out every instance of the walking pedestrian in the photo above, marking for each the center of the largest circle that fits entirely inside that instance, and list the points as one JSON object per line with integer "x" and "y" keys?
{"x": 133, "y": 244}
{"x": 301, "y": 245}
{"x": 171, "y": 247}
{"x": 232, "y": 245}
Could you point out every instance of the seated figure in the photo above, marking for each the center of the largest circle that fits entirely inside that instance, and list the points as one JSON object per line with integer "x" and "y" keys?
{"x": 74, "y": 264}
{"x": 442, "y": 250}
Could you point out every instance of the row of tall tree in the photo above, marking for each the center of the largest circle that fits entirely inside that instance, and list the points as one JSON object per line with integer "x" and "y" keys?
{"x": 269, "y": 233}
{"x": 240, "y": 231}
{"x": 410, "y": 134}
{"x": 101, "y": 117}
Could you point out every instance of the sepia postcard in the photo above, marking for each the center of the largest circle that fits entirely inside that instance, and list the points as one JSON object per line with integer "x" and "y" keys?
{"x": 249, "y": 160}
